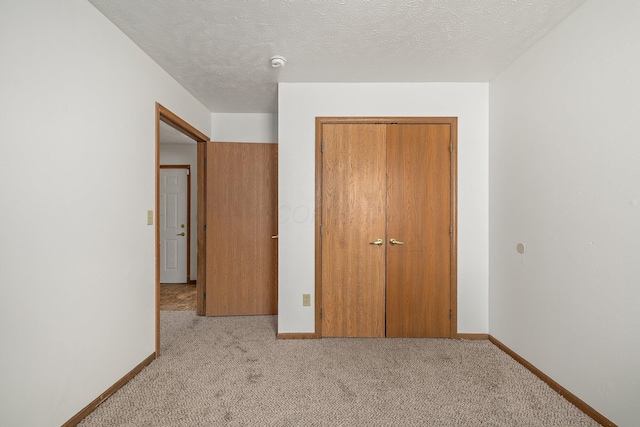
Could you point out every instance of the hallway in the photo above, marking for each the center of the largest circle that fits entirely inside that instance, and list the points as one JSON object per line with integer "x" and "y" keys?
{"x": 177, "y": 297}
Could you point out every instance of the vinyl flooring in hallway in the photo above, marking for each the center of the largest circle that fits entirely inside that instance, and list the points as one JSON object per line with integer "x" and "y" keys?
{"x": 177, "y": 297}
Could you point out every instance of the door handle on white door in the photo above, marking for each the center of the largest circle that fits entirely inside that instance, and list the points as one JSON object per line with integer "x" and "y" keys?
{"x": 180, "y": 234}
{"x": 396, "y": 242}
{"x": 377, "y": 242}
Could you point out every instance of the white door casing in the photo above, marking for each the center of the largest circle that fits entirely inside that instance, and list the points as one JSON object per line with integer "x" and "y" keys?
{"x": 173, "y": 225}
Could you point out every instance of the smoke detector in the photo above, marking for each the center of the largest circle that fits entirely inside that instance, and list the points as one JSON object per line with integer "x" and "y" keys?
{"x": 278, "y": 61}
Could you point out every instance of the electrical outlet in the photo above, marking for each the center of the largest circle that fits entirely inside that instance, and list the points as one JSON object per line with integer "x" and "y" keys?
{"x": 306, "y": 300}
{"x": 149, "y": 217}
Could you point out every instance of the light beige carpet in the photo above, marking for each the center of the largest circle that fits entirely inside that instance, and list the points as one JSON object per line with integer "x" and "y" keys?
{"x": 233, "y": 371}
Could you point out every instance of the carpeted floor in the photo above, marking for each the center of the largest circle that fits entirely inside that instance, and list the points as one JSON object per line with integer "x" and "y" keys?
{"x": 233, "y": 371}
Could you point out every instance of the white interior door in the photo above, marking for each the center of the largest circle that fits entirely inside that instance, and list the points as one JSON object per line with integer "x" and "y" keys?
{"x": 173, "y": 225}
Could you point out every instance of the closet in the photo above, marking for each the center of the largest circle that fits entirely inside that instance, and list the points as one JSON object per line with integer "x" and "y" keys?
{"x": 386, "y": 194}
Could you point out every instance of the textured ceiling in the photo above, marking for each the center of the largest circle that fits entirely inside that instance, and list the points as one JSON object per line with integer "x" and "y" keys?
{"x": 219, "y": 50}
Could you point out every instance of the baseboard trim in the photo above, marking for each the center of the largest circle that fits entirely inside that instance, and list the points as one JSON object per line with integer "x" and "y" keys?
{"x": 297, "y": 336}
{"x": 104, "y": 396}
{"x": 472, "y": 336}
{"x": 575, "y": 400}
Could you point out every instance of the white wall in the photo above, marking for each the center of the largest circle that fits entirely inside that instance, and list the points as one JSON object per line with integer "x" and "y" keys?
{"x": 237, "y": 127}
{"x": 300, "y": 104}
{"x": 186, "y": 154}
{"x": 77, "y": 175}
{"x": 565, "y": 180}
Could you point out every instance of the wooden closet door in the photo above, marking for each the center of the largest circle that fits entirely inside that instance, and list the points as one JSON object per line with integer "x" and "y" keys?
{"x": 353, "y": 216}
{"x": 241, "y": 217}
{"x": 418, "y": 273}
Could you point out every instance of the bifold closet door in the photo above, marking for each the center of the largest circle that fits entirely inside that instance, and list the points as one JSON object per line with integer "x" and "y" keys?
{"x": 418, "y": 266}
{"x": 353, "y": 230}
{"x": 386, "y": 218}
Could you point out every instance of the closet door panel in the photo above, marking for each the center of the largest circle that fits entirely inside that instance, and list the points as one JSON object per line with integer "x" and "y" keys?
{"x": 418, "y": 218}
{"x": 353, "y": 216}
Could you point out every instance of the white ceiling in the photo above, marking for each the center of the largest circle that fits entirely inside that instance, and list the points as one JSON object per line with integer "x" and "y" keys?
{"x": 219, "y": 50}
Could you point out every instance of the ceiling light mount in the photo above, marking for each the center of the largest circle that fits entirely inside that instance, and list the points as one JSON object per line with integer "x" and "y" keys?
{"x": 278, "y": 61}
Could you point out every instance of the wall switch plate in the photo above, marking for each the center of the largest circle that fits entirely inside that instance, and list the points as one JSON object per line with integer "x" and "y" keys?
{"x": 149, "y": 217}
{"x": 306, "y": 300}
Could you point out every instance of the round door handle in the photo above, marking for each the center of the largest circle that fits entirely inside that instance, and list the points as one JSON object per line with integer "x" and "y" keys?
{"x": 396, "y": 242}
{"x": 180, "y": 234}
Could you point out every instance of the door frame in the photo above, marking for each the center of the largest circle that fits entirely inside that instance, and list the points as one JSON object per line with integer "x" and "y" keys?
{"x": 165, "y": 115}
{"x": 453, "y": 122}
{"x": 188, "y": 168}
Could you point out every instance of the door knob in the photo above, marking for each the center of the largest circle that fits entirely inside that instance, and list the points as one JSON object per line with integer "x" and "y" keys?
{"x": 377, "y": 242}
{"x": 180, "y": 234}
{"x": 274, "y": 237}
{"x": 396, "y": 242}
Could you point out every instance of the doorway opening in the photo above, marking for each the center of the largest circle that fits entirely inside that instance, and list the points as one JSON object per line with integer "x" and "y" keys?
{"x": 165, "y": 116}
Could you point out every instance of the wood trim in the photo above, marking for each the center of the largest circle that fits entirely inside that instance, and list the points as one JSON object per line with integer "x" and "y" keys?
{"x": 157, "y": 227}
{"x": 298, "y": 336}
{"x": 202, "y": 238}
{"x": 318, "y": 240}
{"x": 453, "y": 122}
{"x": 575, "y": 400}
{"x": 165, "y": 115}
{"x": 75, "y": 420}
{"x": 177, "y": 123}
{"x": 388, "y": 120}
{"x": 188, "y": 168}
{"x": 479, "y": 337}
{"x": 454, "y": 224}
